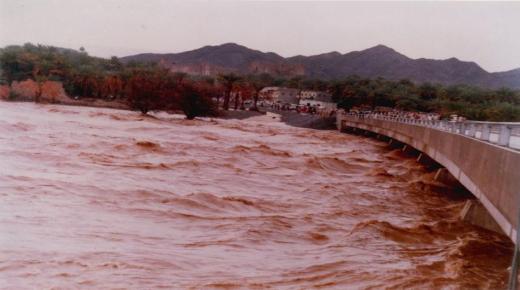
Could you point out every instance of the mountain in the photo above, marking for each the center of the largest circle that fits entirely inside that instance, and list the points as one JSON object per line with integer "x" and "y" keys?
{"x": 229, "y": 57}
{"x": 377, "y": 61}
{"x": 507, "y": 79}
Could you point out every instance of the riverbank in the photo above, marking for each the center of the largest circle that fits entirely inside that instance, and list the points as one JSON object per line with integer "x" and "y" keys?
{"x": 51, "y": 92}
{"x": 290, "y": 118}
{"x": 287, "y": 117}
{"x": 305, "y": 120}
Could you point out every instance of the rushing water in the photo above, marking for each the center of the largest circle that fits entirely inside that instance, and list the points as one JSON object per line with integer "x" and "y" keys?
{"x": 98, "y": 199}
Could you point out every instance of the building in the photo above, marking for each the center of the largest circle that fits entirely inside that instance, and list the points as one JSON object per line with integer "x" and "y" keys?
{"x": 322, "y": 100}
{"x": 314, "y": 95}
{"x": 280, "y": 95}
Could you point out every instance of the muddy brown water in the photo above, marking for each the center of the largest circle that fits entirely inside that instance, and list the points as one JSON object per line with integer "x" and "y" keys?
{"x": 103, "y": 199}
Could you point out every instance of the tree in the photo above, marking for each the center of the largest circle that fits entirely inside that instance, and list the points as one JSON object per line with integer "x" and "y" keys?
{"x": 114, "y": 64}
{"x": 296, "y": 83}
{"x": 257, "y": 83}
{"x": 112, "y": 87}
{"x": 427, "y": 91}
{"x": 179, "y": 77}
{"x": 144, "y": 91}
{"x": 228, "y": 80}
{"x": 17, "y": 64}
{"x": 195, "y": 102}
{"x": 244, "y": 91}
{"x": 241, "y": 89}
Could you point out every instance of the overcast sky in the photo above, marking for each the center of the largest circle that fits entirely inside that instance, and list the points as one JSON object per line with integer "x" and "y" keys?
{"x": 487, "y": 33}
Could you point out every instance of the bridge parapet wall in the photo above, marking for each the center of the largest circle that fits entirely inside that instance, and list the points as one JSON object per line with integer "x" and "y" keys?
{"x": 491, "y": 172}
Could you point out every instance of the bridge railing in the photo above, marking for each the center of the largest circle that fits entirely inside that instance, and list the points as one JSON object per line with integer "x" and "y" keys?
{"x": 505, "y": 134}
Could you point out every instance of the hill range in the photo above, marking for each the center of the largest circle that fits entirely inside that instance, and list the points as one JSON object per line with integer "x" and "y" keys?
{"x": 377, "y": 61}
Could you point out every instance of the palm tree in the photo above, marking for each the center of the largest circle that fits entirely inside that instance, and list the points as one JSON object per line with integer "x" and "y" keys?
{"x": 228, "y": 80}
{"x": 257, "y": 83}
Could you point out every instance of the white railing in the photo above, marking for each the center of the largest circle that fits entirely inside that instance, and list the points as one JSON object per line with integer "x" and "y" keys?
{"x": 505, "y": 134}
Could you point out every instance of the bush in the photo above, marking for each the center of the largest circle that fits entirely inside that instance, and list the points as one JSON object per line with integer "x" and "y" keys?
{"x": 143, "y": 91}
{"x": 13, "y": 96}
{"x": 194, "y": 103}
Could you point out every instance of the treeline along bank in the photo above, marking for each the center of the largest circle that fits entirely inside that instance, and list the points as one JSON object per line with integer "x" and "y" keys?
{"x": 149, "y": 86}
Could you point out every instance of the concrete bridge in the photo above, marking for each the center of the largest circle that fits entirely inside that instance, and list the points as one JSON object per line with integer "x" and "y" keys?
{"x": 482, "y": 156}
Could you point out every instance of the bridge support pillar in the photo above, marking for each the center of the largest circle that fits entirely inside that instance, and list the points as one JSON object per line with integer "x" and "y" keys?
{"x": 424, "y": 159}
{"x": 420, "y": 157}
{"x": 382, "y": 138}
{"x": 427, "y": 161}
{"x": 407, "y": 149}
{"x": 395, "y": 144}
{"x": 444, "y": 176}
{"x": 476, "y": 214}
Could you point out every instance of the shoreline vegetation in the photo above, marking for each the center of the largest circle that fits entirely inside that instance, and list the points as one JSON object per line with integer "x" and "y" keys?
{"x": 49, "y": 74}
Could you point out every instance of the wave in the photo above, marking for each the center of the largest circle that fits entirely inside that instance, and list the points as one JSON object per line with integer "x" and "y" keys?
{"x": 148, "y": 145}
{"x": 375, "y": 228}
{"x": 210, "y": 205}
{"x": 116, "y": 161}
{"x": 263, "y": 149}
{"x": 379, "y": 172}
{"x": 334, "y": 165}
{"x": 16, "y": 127}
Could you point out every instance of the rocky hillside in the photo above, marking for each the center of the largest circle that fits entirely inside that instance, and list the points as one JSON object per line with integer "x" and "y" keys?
{"x": 378, "y": 61}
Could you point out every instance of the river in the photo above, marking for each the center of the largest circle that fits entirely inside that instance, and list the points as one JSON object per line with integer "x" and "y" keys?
{"x": 104, "y": 199}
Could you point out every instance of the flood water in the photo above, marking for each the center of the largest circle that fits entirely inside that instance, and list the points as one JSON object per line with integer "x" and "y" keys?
{"x": 105, "y": 199}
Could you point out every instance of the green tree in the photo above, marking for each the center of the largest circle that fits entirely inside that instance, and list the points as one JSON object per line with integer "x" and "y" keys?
{"x": 195, "y": 102}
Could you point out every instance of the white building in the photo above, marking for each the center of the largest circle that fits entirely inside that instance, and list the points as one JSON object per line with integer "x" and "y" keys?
{"x": 280, "y": 95}
{"x": 314, "y": 95}
{"x": 318, "y": 99}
